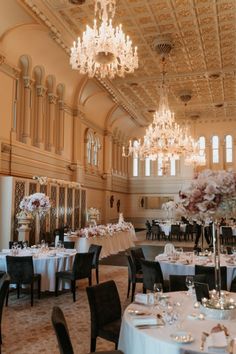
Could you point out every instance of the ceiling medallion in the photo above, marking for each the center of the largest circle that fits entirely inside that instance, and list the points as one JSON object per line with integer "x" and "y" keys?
{"x": 164, "y": 138}
{"x": 103, "y": 50}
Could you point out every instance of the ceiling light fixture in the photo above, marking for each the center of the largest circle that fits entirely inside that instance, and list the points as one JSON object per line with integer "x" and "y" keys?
{"x": 103, "y": 50}
{"x": 164, "y": 138}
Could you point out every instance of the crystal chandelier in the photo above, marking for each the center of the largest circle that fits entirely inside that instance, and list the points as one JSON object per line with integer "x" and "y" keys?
{"x": 164, "y": 138}
{"x": 103, "y": 50}
{"x": 196, "y": 157}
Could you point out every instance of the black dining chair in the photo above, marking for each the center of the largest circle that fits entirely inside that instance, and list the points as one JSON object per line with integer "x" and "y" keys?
{"x": 105, "y": 310}
{"x": 175, "y": 232}
{"x": 82, "y": 268}
{"x": 63, "y": 336}
{"x": 177, "y": 282}
{"x": 133, "y": 277}
{"x": 227, "y": 235}
{"x": 96, "y": 249}
{"x": 209, "y": 272}
{"x": 69, "y": 244}
{"x": 4, "y": 288}
{"x": 152, "y": 274}
{"x": 137, "y": 254}
{"x": 21, "y": 272}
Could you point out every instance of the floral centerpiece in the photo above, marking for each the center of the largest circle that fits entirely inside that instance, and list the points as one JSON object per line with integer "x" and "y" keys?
{"x": 93, "y": 215}
{"x": 37, "y": 203}
{"x": 211, "y": 194}
{"x": 102, "y": 230}
{"x": 169, "y": 207}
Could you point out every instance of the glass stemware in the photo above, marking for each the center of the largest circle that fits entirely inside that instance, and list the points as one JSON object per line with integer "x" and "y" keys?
{"x": 189, "y": 283}
{"x": 158, "y": 291}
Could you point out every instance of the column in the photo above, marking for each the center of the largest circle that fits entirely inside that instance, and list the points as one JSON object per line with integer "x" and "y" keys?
{"x": 108, "y": 152}
{"x": 118, "y": 157}
{"x": 40, "y": 93}
{"x": 60, "y": 128}
{"x": 52, "y": 99}
{"x": 26, "y": 110}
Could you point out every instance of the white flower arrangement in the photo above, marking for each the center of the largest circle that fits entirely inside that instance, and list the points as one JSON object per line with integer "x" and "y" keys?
{"x": 169, "y": 206}
{"x": 43, "y": 180}
{"x": 211, "y": 193}
{"x": 102, "y": 230}
{"x": 23, "y": 214}
{"x": 35, "y": 203}
{"x": 93, "y": 213}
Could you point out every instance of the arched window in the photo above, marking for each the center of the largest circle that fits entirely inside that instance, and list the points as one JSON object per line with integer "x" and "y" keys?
{"x": 135, "y": 161}
{"x": 202, "y": 145}
{"x": 229, "y": 148}
{"x": 96, "y": 147}
{"x": 89, "y": 145}
{"x": 159, "y": 166}
{"x": 215, "y": 149}
{"x": 172, "y": 166}
{"x": 147, "y": 167}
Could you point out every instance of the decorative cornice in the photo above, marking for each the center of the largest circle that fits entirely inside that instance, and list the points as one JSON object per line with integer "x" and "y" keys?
{"x": 2, "y": 59}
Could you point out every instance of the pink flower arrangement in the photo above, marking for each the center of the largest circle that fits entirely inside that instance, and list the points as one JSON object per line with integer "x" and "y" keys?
{"x": 102, "y": 230}
{"x": 211, "y": 192}
{"x": 36, "y": 203}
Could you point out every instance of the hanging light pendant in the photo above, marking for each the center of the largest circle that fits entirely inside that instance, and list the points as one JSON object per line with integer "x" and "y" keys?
{"x": 103, "y": 50}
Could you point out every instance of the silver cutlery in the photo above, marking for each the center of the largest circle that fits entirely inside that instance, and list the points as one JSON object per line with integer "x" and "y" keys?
{"x": 149, "y": 326}
{"x": 203, "y": 340}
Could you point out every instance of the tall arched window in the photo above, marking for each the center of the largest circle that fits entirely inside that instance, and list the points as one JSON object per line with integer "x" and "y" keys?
{"x": 202, "y": 145}
{"x": 135, "y": 161}
{"x": 147, "y": 167}
{"x": 229, "y": 148}
{"x": 96, "y": 147}
{"x": 159, "y": 166}
{"x": 89, "y": 145}
{"x": 215, "y": 149}
{"x": 172, "y": 166}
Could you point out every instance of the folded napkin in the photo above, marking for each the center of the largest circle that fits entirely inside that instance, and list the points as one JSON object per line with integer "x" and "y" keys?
{"x": 6, "y": 251}
{"x": 217, "y": 342}
{"x": 161, "y": 257}
{"x": 144, "y": 320}
{"x": 141, "y": 298}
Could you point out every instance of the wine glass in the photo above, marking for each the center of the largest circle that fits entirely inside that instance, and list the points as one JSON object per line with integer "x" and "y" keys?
{"x": 189, "y": 283}
{"x": 158, "y": 291}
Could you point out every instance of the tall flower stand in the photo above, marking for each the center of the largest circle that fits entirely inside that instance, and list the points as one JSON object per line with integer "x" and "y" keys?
{"x": 37, "y": 228}
{"x": 24, "y": 229}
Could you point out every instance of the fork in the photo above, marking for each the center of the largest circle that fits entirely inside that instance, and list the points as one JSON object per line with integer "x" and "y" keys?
{"x": 203, "y": 340}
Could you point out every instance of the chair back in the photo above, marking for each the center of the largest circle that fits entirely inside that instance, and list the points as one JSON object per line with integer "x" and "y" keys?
{"x": 69, "y": 244}
{"x": 177, "y": 282}
{"x": 82, "y": 265}
{"x": 104, "y": 303}
{"x": 131, "y": 268}
{"x": 61, "y": 330}
{"x": 4, "y": 286}
{"x": 227, "y": 231}
{"x": 169, "y": 248}
{"x": 175, "y": 229}
{"x": 209, "y": 272}
{"x": 20, "y": 269}
{"x": 137, "y": 254}
{"x": 152, "y": 273}
{"x": 96, "y": 249}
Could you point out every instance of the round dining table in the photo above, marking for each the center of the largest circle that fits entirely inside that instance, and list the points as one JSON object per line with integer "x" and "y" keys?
{"x": 46, "y": 263}
{"x": 185, "y": 265}
{"x": 161, "y": 339}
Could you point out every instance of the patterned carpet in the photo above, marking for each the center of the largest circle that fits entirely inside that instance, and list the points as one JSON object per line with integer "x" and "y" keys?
{"x": 28, "y": 329}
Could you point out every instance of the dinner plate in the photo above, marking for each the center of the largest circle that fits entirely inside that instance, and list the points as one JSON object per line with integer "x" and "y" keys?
{"x": 138, "y": 313}
{"x": 182, "y": 337}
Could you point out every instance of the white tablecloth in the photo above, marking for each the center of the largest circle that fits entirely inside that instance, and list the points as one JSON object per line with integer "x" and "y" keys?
{"x": 158, "y": 341}
{"x": 176, "y": 267}
{"x": 167, "y": 227}
{"x": 111, "y": 244}
{"x": 47, "y": 267}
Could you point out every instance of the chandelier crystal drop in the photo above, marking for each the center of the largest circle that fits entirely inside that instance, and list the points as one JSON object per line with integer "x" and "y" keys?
{"x": 164, "y": 138}
{"x": 103, "y": 50}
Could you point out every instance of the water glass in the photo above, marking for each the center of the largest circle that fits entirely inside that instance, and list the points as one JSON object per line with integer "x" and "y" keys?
{"x": 158, "y": 291}
{"x": 189, "y": 283}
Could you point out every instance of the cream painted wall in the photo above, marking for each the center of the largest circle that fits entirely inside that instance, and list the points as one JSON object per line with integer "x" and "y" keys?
{"x": 6, "y": 105}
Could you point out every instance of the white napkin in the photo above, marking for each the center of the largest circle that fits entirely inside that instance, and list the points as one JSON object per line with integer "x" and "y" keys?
{"x": 144, "y": 320}
{"x": 6, "y": 251}
{"x": 141, "y": 298}
{"x": 217, "y": 341}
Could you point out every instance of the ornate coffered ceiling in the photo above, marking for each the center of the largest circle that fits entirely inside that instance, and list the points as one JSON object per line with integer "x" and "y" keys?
{"x": 203, "y": 60}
